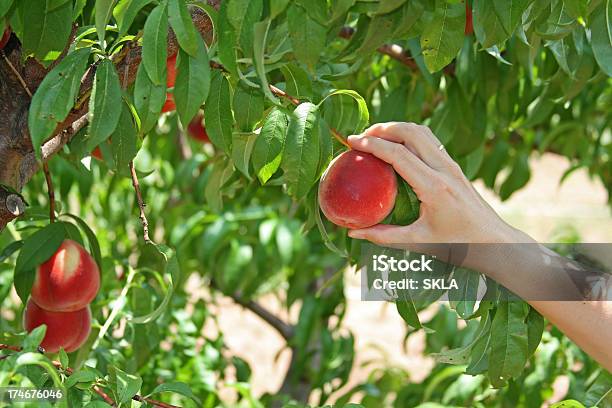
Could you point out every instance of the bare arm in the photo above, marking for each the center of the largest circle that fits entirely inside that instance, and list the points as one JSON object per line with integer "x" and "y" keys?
{"x": 452, "y": 211}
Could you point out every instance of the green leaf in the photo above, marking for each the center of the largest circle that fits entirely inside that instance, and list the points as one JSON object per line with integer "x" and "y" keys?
{"x": 297, "y": 82}
{"x": 154, "y": 43}
{"x": 47, "y": 30}
{"x": 126, "y": 385}
{"x": 442, "y": 38}
{"x": 408, "y": 312}
{"x": 104, "y": 10}
{"x": 307, "y": 36}
{"x": 301, "y": 155}
{"x": 487, "y": 26}
{"x": 248, "y": 106}
{"x": 192, "y": 82}
{"x": 242, "y": 15}
{"x": 227, "y": 40}
{"x": 518, "y": 177}
{"x": 389, "y": 5}
{"x": 268, "y": 150}
{"x": 407, "y": 205}
{"x": 5, "y": 6}
{"x": 509, "y": 348}
{"x": 148, "y": 99}
{"x": 124, "y": 139}
{"x": 104, "y": 104}
{"x": 10, "y": 249}
{"x": 183, "y": 27}
{"x": 509, "y": 13}
{"x": 126, "y": 11}
{"x": 218, "y": 113}
{"x": 242, "y": 149}
{"x": 260, "y": 37}
{"x": 179, "y": 388}
{"x": 171, "y": 274}
{"x": 55, "y": 97}
{"x": 601, "y": 36}
{"x": 37, "y": 248}
{"x": 343, "y": 116}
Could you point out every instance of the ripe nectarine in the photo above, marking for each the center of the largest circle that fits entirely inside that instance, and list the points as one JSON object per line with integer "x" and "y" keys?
{"x": 67, "y": 281}
{"x": 169, "y": 105}
{"x": 64, "y": 329}
{"x": 197, "y": 130}
{"x": 358, "y": 190}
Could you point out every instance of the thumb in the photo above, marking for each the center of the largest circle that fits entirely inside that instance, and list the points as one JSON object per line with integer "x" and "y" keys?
{"x": 384, "y": 234}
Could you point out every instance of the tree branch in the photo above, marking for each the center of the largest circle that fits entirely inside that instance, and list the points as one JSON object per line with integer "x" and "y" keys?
{"x": 284, "y": 329}
{"x": 50, "y": 192}
{"x": 11, "y": 206}
{"x": 141, "y": 204}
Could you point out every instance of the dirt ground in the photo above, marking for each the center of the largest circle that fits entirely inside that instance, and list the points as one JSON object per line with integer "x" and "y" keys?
{"x": 543, "y": 209}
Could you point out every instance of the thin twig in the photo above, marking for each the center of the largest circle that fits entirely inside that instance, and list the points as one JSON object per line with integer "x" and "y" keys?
{"x": 183, "y": 146}
{"x": 17, "y": 74}
{"x": 141, "y": 204}
{"x": 50, "y": 191}
{"x": 97, "y": 389}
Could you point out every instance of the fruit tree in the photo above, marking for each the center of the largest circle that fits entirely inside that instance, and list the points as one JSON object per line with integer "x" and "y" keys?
{"x": 157, "y": 156}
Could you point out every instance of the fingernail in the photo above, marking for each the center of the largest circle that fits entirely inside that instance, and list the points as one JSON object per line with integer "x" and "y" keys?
{"x": 352, "y": 138}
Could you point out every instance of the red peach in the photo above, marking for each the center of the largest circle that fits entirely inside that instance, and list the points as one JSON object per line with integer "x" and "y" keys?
{"x": 64, "y": 329}
{"x": 358, "y": 190}
{"x": 67, "y": 281}
{"x": 197, "y": 130}
{"x": 97, "y": 153}
{"x": 169, "y": 105}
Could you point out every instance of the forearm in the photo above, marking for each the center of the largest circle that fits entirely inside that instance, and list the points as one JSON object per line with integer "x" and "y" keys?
{"x": 552, "y": 285}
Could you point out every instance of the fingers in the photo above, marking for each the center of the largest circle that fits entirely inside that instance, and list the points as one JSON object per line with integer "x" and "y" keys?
{"x": 387, "y": 235}
{"x": 419, "y": 139}
{"x": 406, "y": 164}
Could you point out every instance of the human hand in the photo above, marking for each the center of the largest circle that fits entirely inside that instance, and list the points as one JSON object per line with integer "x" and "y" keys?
{"x": 451, "y": 211}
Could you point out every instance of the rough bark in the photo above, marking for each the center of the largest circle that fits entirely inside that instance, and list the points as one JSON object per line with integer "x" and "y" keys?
{"x": 19, "y": 79}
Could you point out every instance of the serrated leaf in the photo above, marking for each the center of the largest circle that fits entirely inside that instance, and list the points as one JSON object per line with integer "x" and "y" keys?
{"x": 268, "y": 150}
{"x": 260, "y": 37}
{"x": 148, "y": 99}
{"x": 192, "y": 82}
{"x": 307, "y": 36}
{"x": 297, "y": 82}
{"x": 37, "y": 248}
{"x": 218, "y": 113}
{"x": 126, "y": 11}
{"x": 124, "y": 146}
{"x": 301, "y": 154}
{"x": 442, "y": 38}
{"x": 178, "y": 388}
{"x": 508, "y": 342}
{"x": 104, "y": 104}
{"x": 601, "y": 36}
{"x": 126, "y": 385}
{"x": 350, "y": 117}
{"x": 227, "y": 40}
{"x": 248, "y": 106}
{"x": 103, "y": 10}
{"x": 47, "y": 30}
{"x": 55, "y": 97}
{"x": 171, "y": 274}
{"x": 154, "y": 43}
{"x": 183, "y": 27}
{"x": 243, "y": 14}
